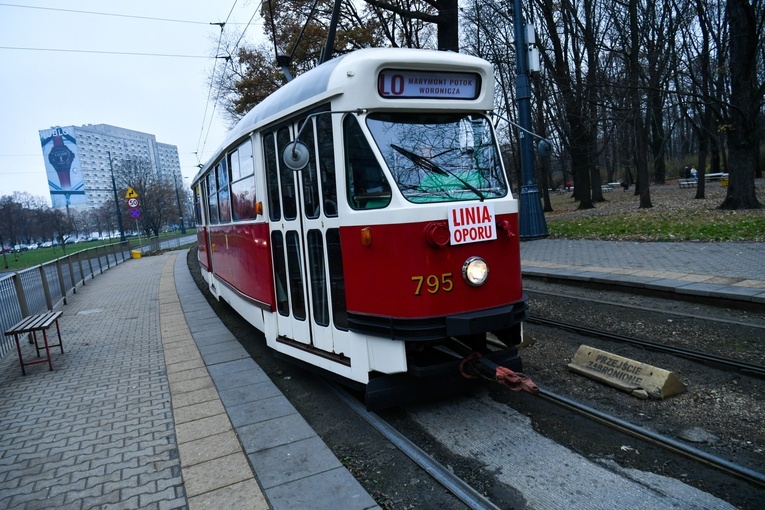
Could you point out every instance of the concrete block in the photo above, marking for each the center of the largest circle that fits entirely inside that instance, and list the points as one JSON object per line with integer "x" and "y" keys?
{"x": 625, "y": 374}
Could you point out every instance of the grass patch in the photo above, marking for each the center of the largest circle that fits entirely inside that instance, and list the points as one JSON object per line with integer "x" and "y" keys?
{"x": 675, "y": 216}
{"x": 30, "y": 258}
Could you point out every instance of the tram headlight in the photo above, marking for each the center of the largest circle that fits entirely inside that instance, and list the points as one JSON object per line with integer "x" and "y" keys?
{"x": 475, "y": 271}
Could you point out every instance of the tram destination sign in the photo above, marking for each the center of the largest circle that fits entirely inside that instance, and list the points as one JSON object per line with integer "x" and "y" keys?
{"x": 411, "y": 84}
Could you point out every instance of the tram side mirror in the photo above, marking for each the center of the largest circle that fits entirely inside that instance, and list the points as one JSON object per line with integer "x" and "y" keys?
{"x": 296, "y": 155}
{"x": 544, "y": 148}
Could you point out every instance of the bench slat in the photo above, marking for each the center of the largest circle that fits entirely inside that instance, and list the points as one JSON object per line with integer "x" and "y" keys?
{"x": 34, "y": 323}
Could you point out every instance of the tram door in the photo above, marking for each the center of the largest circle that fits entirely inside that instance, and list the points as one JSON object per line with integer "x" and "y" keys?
{"x": 304, "y": 236}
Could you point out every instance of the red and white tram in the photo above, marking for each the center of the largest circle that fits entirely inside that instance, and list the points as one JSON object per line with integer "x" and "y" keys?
{"x": 383, "y": 246}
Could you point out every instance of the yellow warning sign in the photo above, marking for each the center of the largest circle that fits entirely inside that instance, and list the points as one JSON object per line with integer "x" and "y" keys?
{"x": 131, "y": 193}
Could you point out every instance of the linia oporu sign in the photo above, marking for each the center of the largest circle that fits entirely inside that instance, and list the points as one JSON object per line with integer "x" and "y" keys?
{"x": 472, "y": 223}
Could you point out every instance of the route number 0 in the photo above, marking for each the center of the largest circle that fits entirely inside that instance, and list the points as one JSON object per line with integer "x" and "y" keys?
{"x": 393, "y": 85}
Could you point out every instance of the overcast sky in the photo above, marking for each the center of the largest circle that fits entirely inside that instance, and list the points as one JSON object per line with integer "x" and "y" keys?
{"x": 163, "y": 95}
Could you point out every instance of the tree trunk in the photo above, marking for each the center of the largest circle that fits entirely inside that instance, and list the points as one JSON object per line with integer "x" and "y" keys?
{"x": 744, "y": 100}
{"x": 543, "y": 163}
{"x": 640, "y": 137}
{"x": 448, "y": 26}
{"x": 658, "y": 136}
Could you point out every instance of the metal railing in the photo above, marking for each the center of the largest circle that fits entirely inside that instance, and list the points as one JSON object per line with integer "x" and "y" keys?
{"x": 45, "y": 286}
{"x": 154, "y": 244}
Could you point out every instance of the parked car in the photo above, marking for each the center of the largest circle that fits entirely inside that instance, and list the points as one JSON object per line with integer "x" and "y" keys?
{"x": 33, "y": 246}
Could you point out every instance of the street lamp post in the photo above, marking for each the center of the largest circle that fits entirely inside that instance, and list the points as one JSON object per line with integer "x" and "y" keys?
{"x": 116, "y": 200}
{"x": 180, "y": 208}
{"x": 532, "y": 222}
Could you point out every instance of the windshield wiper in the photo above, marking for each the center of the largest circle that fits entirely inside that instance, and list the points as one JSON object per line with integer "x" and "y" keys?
{"x": 427, "y": 164}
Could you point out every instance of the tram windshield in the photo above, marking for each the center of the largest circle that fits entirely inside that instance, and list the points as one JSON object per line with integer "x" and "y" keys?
{"x": 440, "y": 157}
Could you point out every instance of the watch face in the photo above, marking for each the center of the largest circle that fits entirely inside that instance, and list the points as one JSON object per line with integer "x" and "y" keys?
{"x": 60, "y": 156}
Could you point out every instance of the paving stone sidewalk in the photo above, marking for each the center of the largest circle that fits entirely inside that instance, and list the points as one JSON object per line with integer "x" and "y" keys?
{"x": 97, "y": 431}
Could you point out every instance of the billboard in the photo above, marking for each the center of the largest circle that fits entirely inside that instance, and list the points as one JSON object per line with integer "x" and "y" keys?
{"x": 62, "y": 166}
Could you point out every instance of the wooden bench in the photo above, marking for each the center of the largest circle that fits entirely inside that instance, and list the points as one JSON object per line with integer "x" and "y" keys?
{"x": 31, "y": 325}
{"x": 686, "y": 183}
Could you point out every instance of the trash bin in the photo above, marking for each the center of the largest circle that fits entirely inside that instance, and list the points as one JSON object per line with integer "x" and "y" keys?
{"x": 136, "y": 254}
{"x": 724, "y": 182}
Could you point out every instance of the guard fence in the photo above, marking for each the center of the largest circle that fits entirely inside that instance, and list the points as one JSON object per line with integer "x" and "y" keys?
{"x": 45, "y": 286}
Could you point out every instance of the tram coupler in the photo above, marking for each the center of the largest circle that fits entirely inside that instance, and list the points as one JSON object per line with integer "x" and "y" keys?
{"x": 476, "y": 365}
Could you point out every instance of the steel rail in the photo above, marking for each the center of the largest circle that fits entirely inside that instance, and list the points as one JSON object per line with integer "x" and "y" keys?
{"x": 682, "y": 315}
{"x": 654, "y": 438}
{"x": 756, "y": 370}
{"x": 440, "y": 473}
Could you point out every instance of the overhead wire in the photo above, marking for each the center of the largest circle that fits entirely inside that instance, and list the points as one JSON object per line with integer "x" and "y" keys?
{"x": 150, "y": 18}
{"x": 112, "y": 14}
{"x": 102, "y": 52}
{"x": 228, "y": 59}
{"x": 209, "y": 90}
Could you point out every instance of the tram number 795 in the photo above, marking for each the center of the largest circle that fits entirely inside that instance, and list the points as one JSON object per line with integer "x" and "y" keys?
{"x": 433, "y": 283}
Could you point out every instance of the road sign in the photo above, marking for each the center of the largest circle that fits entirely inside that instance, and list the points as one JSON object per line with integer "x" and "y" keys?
{"x": 131, "y": 193}
{"x": 135, "y": 213}
{"x": 132, "y": 203}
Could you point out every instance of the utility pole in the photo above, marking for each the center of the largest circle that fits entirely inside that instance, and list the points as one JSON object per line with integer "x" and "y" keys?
{"x": 116, "y": 200}
{"x": 180, "y": 209}
{"x": 531, "y": 218}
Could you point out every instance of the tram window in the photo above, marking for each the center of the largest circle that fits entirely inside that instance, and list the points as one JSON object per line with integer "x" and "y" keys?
{"x": 439, "y": 157}
{"x": 240, "y": 161}
{"x": 367, "y": 186}
{"x": 295, "y": 271}
{"x": 336, "y": 280}
{"x": 198, "y": 203}
{"x": 222, "y": 172}
{"x": 287, "y": 177}
{"x": 224, "y": 204}
{"x": 272, "y": 177}
{"x": 233, "y": 164}
{"x": 246, "y": 166}
{"x": 324, "y": 140}
{"x": 212, "y": 199}
{"x": 243, "y": 199}
{"x": 318, "y": 278}
{"x": 280, "y": 270}
{"x": 310, "y": 180}
{"x": 243, "y": 194}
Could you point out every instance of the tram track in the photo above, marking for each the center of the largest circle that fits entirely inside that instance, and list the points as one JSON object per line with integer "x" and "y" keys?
{"x": 447, "y": 479}
{"x": 472, "y": 499}
{"x": 728, "y": 363}
{"x": 643, "y": 308}
{"x": 654, "y": 438}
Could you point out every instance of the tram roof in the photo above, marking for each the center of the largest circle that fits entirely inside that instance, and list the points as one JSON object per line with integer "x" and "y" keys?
{"x": 327, "y": 76}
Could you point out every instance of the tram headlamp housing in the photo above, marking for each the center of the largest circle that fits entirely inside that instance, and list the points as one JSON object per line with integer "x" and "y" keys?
{"x": 475, "y": 271}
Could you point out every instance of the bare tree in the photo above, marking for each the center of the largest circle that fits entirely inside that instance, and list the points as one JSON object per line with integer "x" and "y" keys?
{"x": 442, "y": 13}
{"x": 572, "y": 60}
{"x": 156, "y": 196}
{"x": 746, "y": 95}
